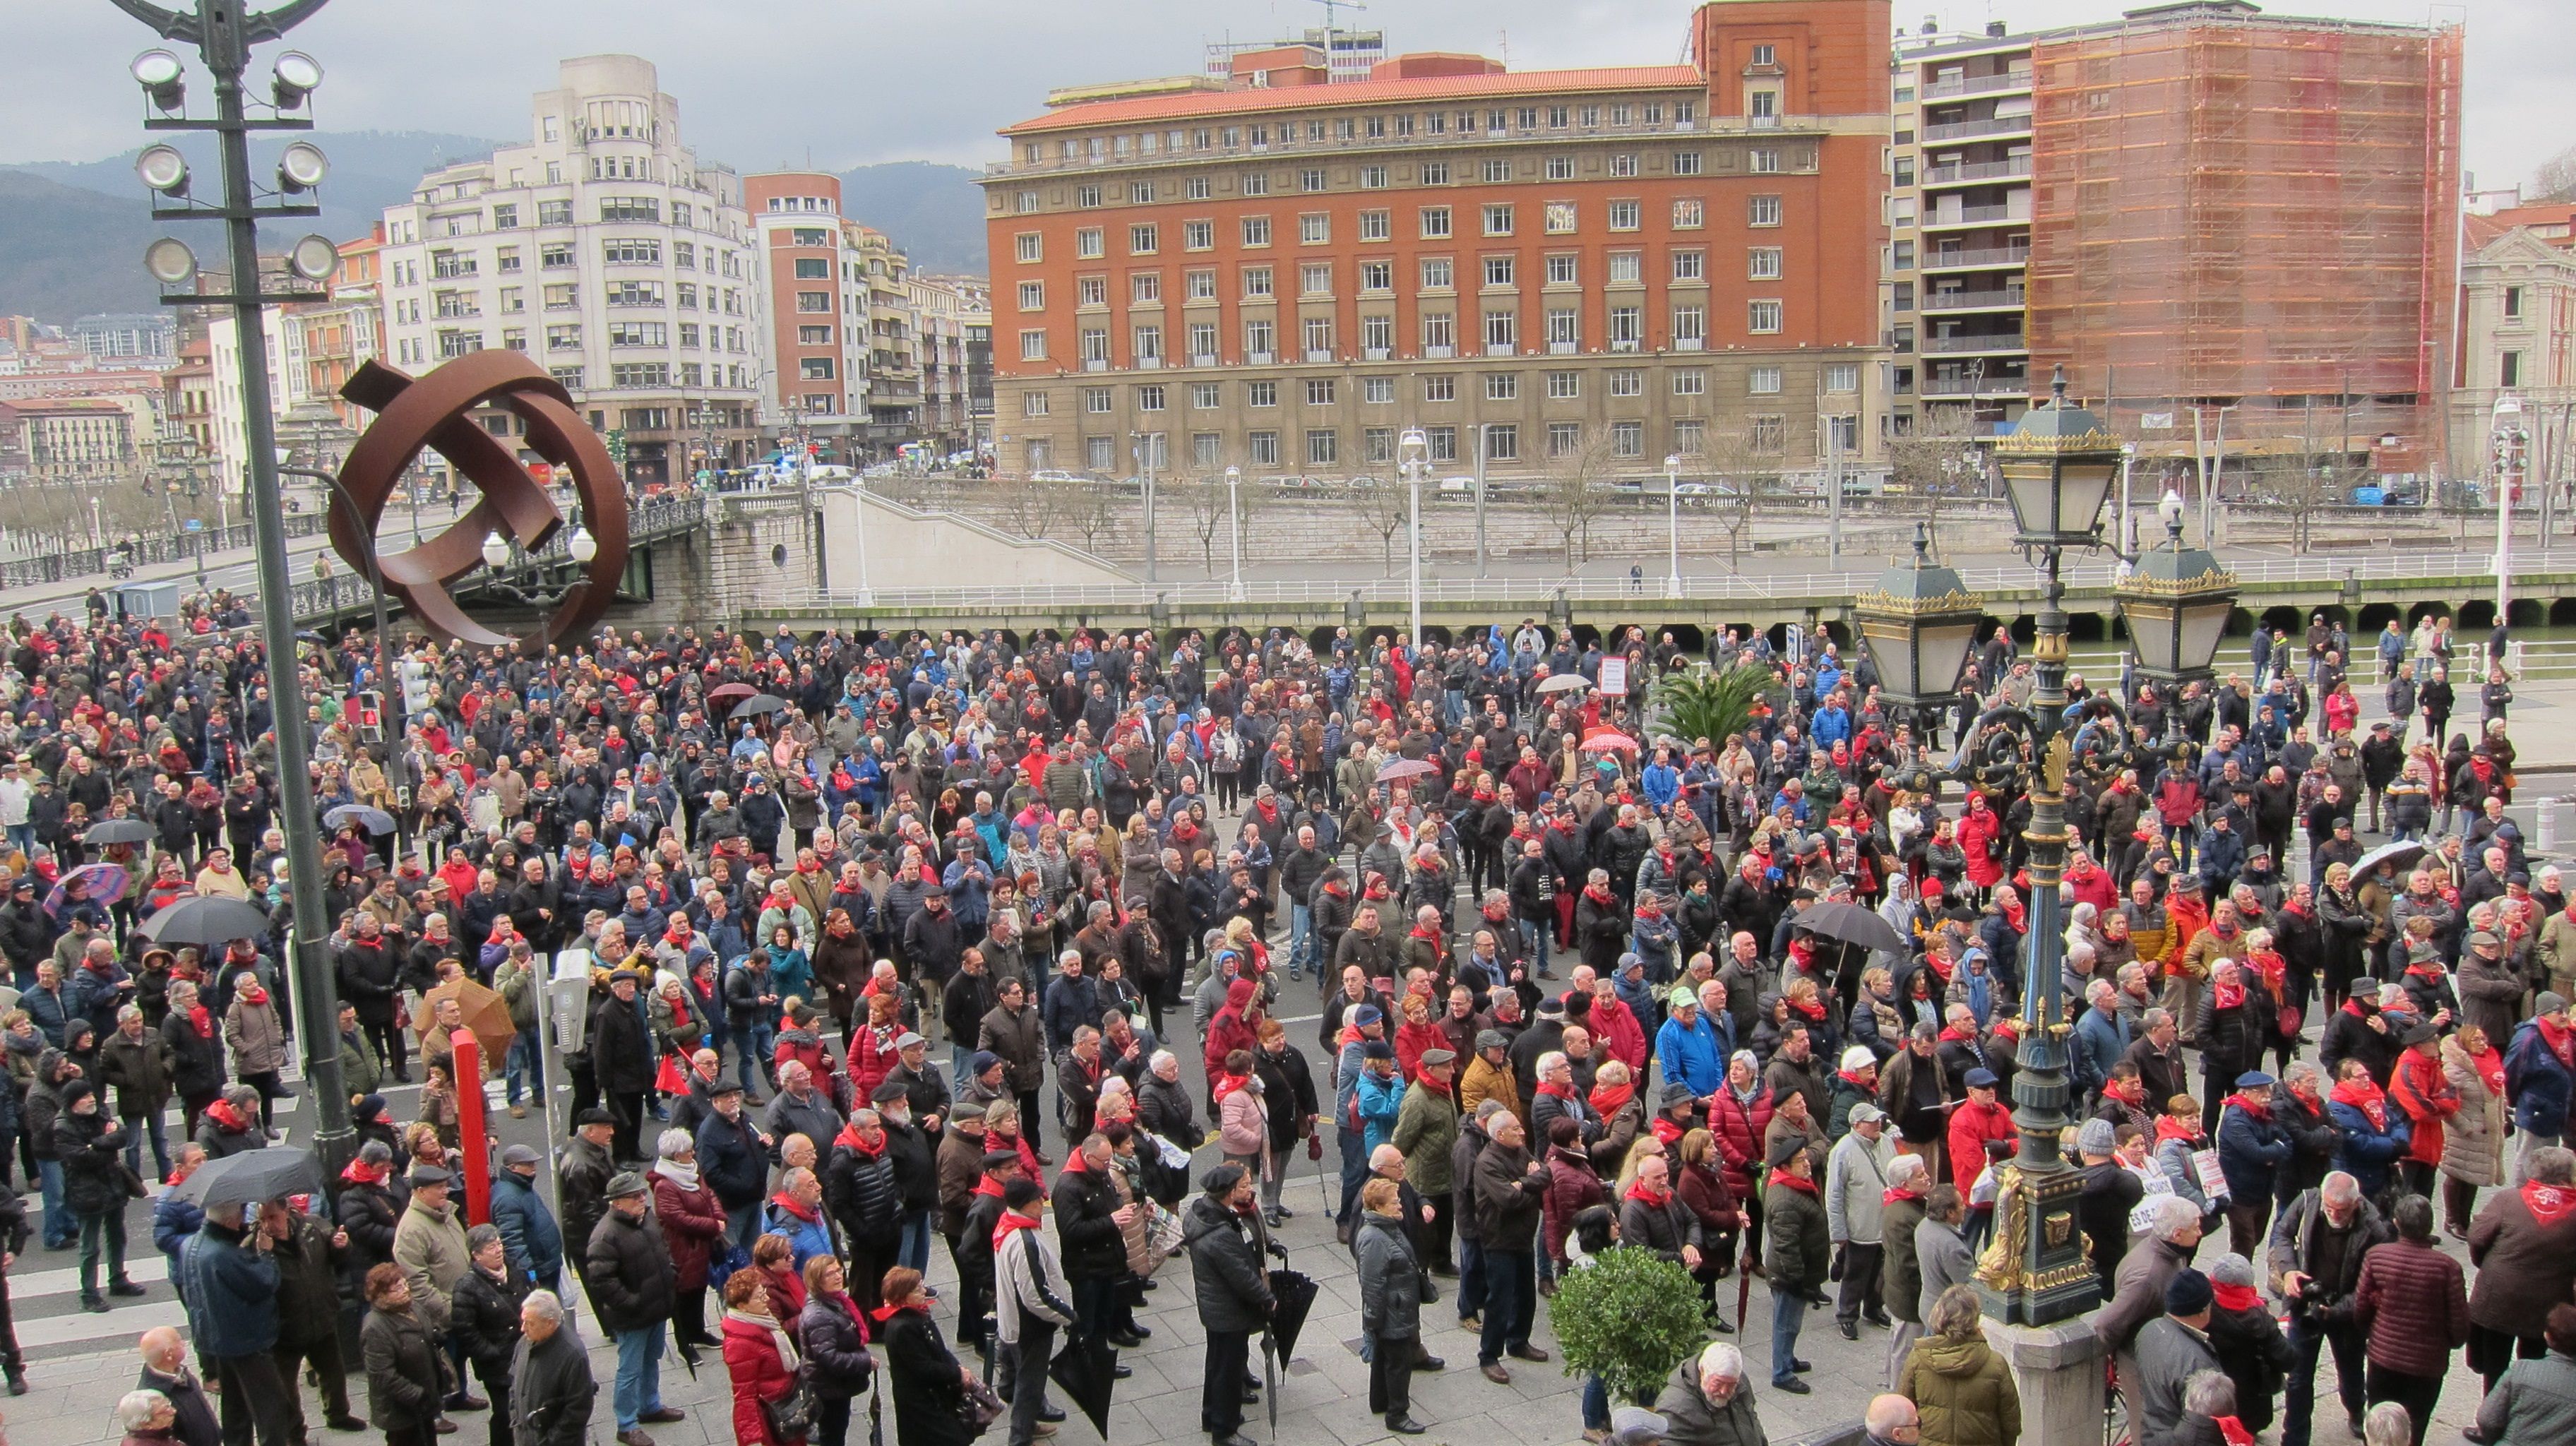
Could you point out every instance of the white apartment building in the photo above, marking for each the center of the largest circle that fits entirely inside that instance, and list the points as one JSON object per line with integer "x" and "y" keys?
{"x": 608, "y": 250}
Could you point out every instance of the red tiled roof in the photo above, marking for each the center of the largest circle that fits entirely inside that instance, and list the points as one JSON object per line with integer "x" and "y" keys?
{"x": 1251, "y": 101}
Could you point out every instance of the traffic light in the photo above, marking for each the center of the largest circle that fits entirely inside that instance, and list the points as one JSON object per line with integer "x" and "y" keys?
{"x": 415, "y": 688}
{"x": 369, "y": 708}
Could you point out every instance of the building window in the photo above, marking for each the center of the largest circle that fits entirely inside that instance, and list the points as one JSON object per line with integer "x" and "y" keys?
{"x": 1435, "y": 173}
{"x": 1762, "y": 211}
{"x": 1207, "y": 450}
{"x": 1323, "y": 447}
{"x": 1145, "y": 288}
{"x": 1033, "y": 345}
{"x": 554, "y": 213}
{"x": 1260, "y": 338}
{"x": 563, "y": 338}
{"x": 1435, "y": 222}
{"x": 1206, "y": 396}
{"x": 1627, "y": 327}
{"x": 1089, "y": 291}
{"x": 1502, "y": 442}
{"x": 1502, "y": 330}
{"x": 1199, "y": 285}
{"x": 1690, "y": 437}
{"x": 1498, "y": 220}
{"x": 1564, "y": 326}
{"x": 1148, "y": 341}
{"x": 630, "y": 208}
{"x": 1376, "y": 225}
{"x": 1690, "y": 382}
{"x": 1256, "y": 282}
{"x": 633, "y": 252}
{"x": 1440, "y": 389}
{"x": 1689, "y": 213}
{"x": 1317, "y": 333}
{"x": 1502, "y": 387}
{"x": 805, "y": 335}
{"x": 1765, "y": 55}
{"x": 1031, "y": 246}
{"x": 1202, "y": 340}
{"x": 1690, "y": 265}
{"x": 1372, "y": 178}
{"x": 1557, "y": 218}
{"x": 1439, "y": 330}
{"x": 1314, "y": 228}
{"x": 1256, "y": 230}
{"x": 1627, "y": 439}
{"x": 1261, "y": 394}
{"x": 2509, "y": 369}
{"x": 1377, "y": 390}
{"x": 1033, "y": 404}
{"x": 1256, "y": 183}
{"x": 1627, "y": 382}
{"x": 1436, "y": 273}
{"x": 1198, "y": 235}
{"x": 1032, "y": 296}
{"x": 1444, "y": 443}
{"x": 1140, "y": 193}
{"x": 1764, "y": 160}
{"x": 1560, "y": 168}
{"x": 1842, "y": 377}
{"x": 1100, "y": 454}
{"x": 1763, "y": 381}
{"x": 2513, "y": 301}
{"x": 1627, "y": 215}
{"x": 1690, "y": 326}
{"x": 1498, "y": 173}
{"x": 1319, "y": 391}
{"x": 1149, "y": 398}
{"x": 1762, "y": 316}
{"x": 1143, "y": 240}
{"x": 1262, "y": 447}
{"x": 1311, "y": 179}
{"x": 815, "y": 368}
{"x": 1623, "y": 165}
{"x": 1499, "y": 270}
{"x": 1564, "y": 386}
{"x": 1088, "y": 244}
{"x": 638, "y": 333}
{"x": 1095, "y": 346}
{"x": 1767, "y": 436}
{"x": 640, "y": 374}
{"x": 1377, "y": 332}
{"x": 1086, "y": 197}
{"x": 1377, "y": 444}
{"x": 1377, "y": 276}
{"x": 1686, "y": 163}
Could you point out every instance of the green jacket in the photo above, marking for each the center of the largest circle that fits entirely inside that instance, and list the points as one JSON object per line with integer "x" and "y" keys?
{"x": 1692, "y": 1419}
{"x": 518, "y": 986}
{"x": 1799, "y": 1246}
{"x": 1903, "y": 1287}
{"x": 1426, "y": 1127}
{"x": 360, "y": 1071}
{"x": 1965, "y": 1395}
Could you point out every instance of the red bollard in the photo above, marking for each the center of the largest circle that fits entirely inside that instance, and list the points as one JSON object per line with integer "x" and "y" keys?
{"x": 471, "y": 1138}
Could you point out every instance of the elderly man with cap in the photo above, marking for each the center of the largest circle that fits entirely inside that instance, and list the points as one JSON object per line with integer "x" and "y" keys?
{"x": 2318, "y": 1247}
{"x": 799, "y": 1108}
{"x": 430, "y": 1247}
{"x": 1705, "y": 1402}
{"x": 2491, "y": 988}
{"x": 529, "y": 1233}
{"x": 2111, "y": 1191}
{"x": 924, "y": 1089}
{"x": 621, "y": 1058}
{"x": 1426, "y": 1132}
{"x": 1981, "y": 1133}
{"x": 1688, "y": 1050}
{"x": 582, "y": 1172}
{"x": 2358, "y": 1032}
{"x": 1796, "y": 1255}
{"x": 2253, "y": 1145}
{"x": 632, "y": 1289}
{"x": 2171, "y": 1349}
{"x": 1509, "y": 1187}
{"x": 1856, "y": 1185}
{"x": 734, "y": 1159}
{"x": 1490, "y": 1075}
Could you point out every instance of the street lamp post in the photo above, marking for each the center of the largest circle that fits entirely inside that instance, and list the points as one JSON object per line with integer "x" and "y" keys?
{"x": 1141, "y": 448}
{"x": 223, "y": 33}
{"x": 1234, "y": 528}
{"x": 1414, "y": 452}
{"x": 2510, "y": 440}
{"x": 1673, "y": 525}
{"x": 2176, "y": 600}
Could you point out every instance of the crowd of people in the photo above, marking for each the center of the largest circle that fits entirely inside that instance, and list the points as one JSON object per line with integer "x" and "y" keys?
{"x": 1000, "y": 941}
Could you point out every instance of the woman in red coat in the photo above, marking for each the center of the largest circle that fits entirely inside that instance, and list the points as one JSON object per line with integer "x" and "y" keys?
{"x": 872, "y": 1053}
{"x": 692, "y": 1221}
{"x": 755, "y": 1354}
{"x": 773, "y": 1262}
{"x": 1739, "y": 1115}
{"x": 1979, "y": 839}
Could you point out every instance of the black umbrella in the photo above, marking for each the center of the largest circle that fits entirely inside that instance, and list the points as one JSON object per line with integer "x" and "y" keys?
{"x": 205, "y": 920}
{"x": 1086, "y": 1370}
{"x": 253, "y": 1176}
{"x": 1294, "y": 1291}
{"x": 1849, "y": 923}
{"x": 757, "y": 704}
{"x": 118, "y": 831}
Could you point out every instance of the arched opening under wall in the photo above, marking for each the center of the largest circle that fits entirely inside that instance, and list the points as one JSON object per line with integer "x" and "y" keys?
{"x": 2416, "y": 612}
{"x": 2474, "y": 616}
{"x": 2562, "y": 612}
{"x": 2025, "y": 629}
{"x": 1689, "y": 637}
{"x": 2526, "y": 612}
{"x": 1436, "y": 634}
{"x": 2292, "y": 622}
{"x": 2375, "y": 616}
{"x": 1585, "y": 636}
{"x": 2086, "y": 628}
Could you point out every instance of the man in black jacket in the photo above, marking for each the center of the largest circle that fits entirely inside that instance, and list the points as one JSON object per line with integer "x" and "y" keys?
{"x": 621, "y": 1058}
{"x": 369, "y": 974}
{"x": 1225, "y": 1239}
{"x": 631, "y": 1286}
{"x": 1509, "y": 1189}
{"x": 310, "y": 1255}
{"x": 1089, "y": 1226}
{"x": 581, "y": 1184}
{"x": 2315, "y": 1266}
{"x": 550, "y": 1384}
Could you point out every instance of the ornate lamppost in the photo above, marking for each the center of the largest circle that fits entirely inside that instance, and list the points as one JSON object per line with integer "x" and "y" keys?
{"x": 2177, "y": 600}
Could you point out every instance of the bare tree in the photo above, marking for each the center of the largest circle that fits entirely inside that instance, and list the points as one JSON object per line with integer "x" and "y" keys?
{"x": 1916, "y": 464}
{"x": 1095, "y": 512}
{"x": 1574, "y": 491}
{"x": 1032, "y": 508}
{"x": 2556, "y": 179}
{"x": 1205, "y": 499}
{"x": 1384, "y": 507}
{"x": 1737, "y": 473}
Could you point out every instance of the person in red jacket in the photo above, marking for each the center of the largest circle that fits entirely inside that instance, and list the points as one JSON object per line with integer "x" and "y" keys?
{"x": 1977, "y": 1125}
{"x": 2423, "y": 1090}
{"x": 755, "y": 1355}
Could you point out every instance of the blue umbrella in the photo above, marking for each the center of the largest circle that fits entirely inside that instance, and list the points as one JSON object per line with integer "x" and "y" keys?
{"x": 106, "y": 883}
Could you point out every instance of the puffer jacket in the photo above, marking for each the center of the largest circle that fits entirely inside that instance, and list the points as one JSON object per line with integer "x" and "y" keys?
{"x": 406, "y": 1371}
{"x": 1797, "y": 1243}
{"x": 484, "y": 1319}
{"x": 631, "y": 1278}
{"x": 1390, "y": 1279}
{"x": 1233, "y": 1288}
{"x": 1963, "y": 1392}
{"x": 692, "y": 1222}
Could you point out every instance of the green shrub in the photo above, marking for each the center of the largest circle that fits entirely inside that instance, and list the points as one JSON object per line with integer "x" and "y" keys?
{"x": 1629, "y": 1317}
{"x": 1701, "y": 703}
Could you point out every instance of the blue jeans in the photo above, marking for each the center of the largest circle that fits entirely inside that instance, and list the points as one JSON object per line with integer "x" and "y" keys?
{"x": 743, "y": 1226}
{"x": 1471, "y": 1277}
{"x": 1788, "y": 1313}
{"x": 22, "y": 837}
{"x": 1301, "y": 942}
{"x": 525, "y": 1065}
{"x": 751, "y": 1047}
{"x": 134, "y": 1132}
{"x": 60, "y": 1228}
{"x": 913, "y": 1247}
{"x": 1534, "y": 939}
{"x": 1596, "y": 1404}
{"x": 1354, "y": 1174}
{"x": 639, "y": 1374}
{"x": 961, "y": 1058}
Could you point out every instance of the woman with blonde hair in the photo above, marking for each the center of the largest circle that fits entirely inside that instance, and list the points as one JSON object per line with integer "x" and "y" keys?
{"x": 2473, "y": 1139}
{"x": 1646, "y": 1145}
{"x": 1958, "y": 1385}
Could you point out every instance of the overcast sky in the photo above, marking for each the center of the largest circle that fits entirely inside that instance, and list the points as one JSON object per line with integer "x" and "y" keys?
{"x": 768, "y": 83}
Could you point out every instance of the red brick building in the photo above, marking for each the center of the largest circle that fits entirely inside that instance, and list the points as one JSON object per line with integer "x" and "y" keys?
{"x": 1576, "y": 268}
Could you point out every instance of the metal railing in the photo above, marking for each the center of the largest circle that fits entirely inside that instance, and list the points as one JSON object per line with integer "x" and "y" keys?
{"x": 83, "y": 562}
{"x": 653, "y": 520}
{"x": 1981, "y": 256}
{"x": 1977, "y": 171}
{"x": 1970, "y": 300}
{"x": 1974, "y": 216}
{"x": 1977, "y": 85}
{"x": 2000, "y": 341}
{"x": 2002, "y": 125}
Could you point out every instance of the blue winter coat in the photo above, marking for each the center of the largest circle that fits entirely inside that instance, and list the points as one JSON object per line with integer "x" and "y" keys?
{"x": 173, "y": 1221}
{"x": 1693, "y": 1056}
{"x": 529, "y": 1233}
{"x": 2363, "y": 1150}
{"x": 2536, "y": 1084}
{"x": 809, "y": 1237}
{"x": 2251, "y": 1153}
{"x": 231, "y": 1294}
{"x": 2100, "y": 1041}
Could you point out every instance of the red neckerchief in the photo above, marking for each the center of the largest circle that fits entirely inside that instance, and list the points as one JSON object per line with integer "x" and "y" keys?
{"x": 849, "y": 1136}
{"x": 2232, "y": 1431}
{"x": 1895, "y": 1193}
{"x": 251, "y": 994}
{"x": 2259, "y": 1109}
{"x": 1952, "y": 1032}
{"x": 2364, "y": 1095}
{"x": 2126, "y": 1091}
{"x": 359, "y": 1171}
{"x": 1420, "y": 932}
{"x": 1561, "y": 1091}
{"x": 1227, "y": 1084}
{"x": 2490, "y": 1068}
{"x": 1668, "y": 1130}
{"x": 2560, "y": 1039}
{"x": 2236, "y": 1297}
{"x": 885, "y": 1313}
{"x": 1812, "y": 1011}
{"x": 1597, "y": 893}
{"x": 2548, "y": 1204}
{"x": 204, "y": 1019}
{"x": 1940, "y": 967}
{"x": 2016, "y": 914}
{"x": 788, "y": 1203}
{"x": 1656, "y": 1198}
{"x": 2227, "y": 996}
{"x": 1855, "y": 1081}
{"x": 1013, "y": 1220}
{"x": 226, "y": 1117}
{"x": 1608, "y": 1100}
{"x": 1783, "y": 1177}
{"x": 2169, "y": 1128}
{"x": 987, "y": 1185}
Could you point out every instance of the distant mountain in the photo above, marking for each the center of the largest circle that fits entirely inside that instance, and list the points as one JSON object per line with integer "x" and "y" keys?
{"x": 935, "y": 213}
{"x": 66, "y": 252}
{"x": 370, "y": 170}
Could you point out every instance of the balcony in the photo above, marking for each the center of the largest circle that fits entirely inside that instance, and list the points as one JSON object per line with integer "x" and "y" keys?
{"x": 2006, "y": 299}
{"x": 2015, "y": 168}
{"x": 1993, "y": 386}
{"x": 2002, "y": 125}
{"x": 2011, "y": 343}
{"x": 1977, "y": 85}
{"x": 1965, "y": 260}
{"x": 1730, "y": 125}
{"x": 1974, "y": 216}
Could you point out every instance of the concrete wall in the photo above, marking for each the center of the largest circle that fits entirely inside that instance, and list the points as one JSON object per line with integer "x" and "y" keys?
{"x": 909, "y": 547}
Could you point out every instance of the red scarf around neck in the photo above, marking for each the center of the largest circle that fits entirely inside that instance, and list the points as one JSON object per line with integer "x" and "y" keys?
{"x": 203, "y": 1019}
{"x": 2227, "y": 996}
{"x": 1895, "y": 1193}
{"x": 2259, "y": 1109}
{"x": 1656, "y": 1198}
{"x": 1013, "y": 1220}
{"x": 2366, "y": 1097}
{"x": 2236, "y": 1297}
{"x": 1794, "y": 1182}
{"x": 2548, "y": 1204}
{"x": 2169, "y": 1128}
{"x": 1608, "y": 1100}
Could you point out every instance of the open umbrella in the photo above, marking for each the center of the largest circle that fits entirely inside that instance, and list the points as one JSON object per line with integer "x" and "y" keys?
{"x": 1849, "y": 923}
{"x": 1404, "y": 768}
{"x": 106, "y": 884}
{"x": 2405, "y": 853}
{"x": 1563, "y": 683}
{"x": 1295, "y": 1293}
{"x": 728, "y": 695}
{"x": 373, "y": 820}
{"x": 117, "y": 831}
{"x": 253, "y": 1176}
{"x": 756, "y": 705}
{"x": 481, "y": 1011}
{"x": 1086, "y": 1370}
{"x": 205, "y": 920}
{"x": 1609, "y": 741}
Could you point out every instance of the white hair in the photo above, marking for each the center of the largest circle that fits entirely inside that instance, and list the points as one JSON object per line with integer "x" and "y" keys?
{"x": 1904, "y": 1168}
{"x": 2339, "y": 1187}
{"x": 1548, "y": 1062}
{"x": 673, "y": 1142}
{"x": 545, "y": 1304}
{"x": 135, "y": 1409}
{"x": 2387, "y": 1425}
{"x": 2172, "y": 1215}
{"x": 2213, "y": 1393}
{"x": 1161, "y": 1058}
{"x": 1722, "y": 1361}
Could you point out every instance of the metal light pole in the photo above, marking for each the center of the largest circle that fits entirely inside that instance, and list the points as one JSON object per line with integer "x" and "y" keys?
{"x": 1143, "y": 452}
{"x": 223, "y": 35}
{"x": 2509, "y": 438}
{"x": 1234, "y": 528}
{"x": 2127, "y": 539}
{"x": 1673, "y": 525}
{"x": 1415, "y": 450}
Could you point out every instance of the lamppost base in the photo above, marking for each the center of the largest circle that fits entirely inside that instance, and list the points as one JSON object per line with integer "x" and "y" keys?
{"x": 1234, "y": 592}
{"x": 864, "y": 597}
{"x": 2035, "y": 1271}
{"x": 1673, "y": 585}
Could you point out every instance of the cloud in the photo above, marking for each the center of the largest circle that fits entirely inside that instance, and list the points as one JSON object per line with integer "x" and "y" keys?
{"x": 766, "y": 83}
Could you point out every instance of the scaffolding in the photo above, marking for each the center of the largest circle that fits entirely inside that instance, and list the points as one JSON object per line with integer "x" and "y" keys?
{"x": 2234, "y": 208}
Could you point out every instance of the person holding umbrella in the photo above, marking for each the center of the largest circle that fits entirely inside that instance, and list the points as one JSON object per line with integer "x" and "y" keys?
{"x": 1234, "y": 1300}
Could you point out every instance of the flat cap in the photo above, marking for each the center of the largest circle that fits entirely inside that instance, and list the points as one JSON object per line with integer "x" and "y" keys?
{"x": 1492, "y": 1039}
{"x": 515, "y": 1155}
{"x": 1981, "y": 1079}
{"x": 625, "y": 1183}
{"x": 1439, "y": 1056}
